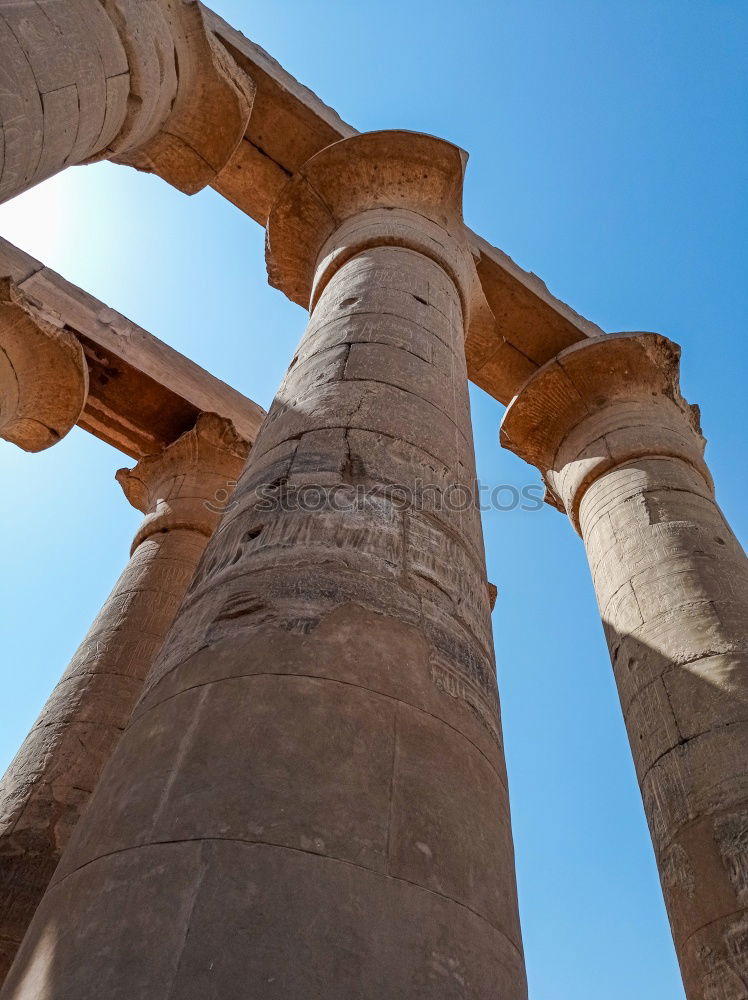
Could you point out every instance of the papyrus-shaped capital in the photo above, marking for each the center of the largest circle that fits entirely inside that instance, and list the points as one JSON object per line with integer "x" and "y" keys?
{"x": 187, "y": 485}
{"x": 599, "y": 404}
{"x": 191, "y": 102}
{"x": 390, "y": 188}
{"x": 43, "y": 373}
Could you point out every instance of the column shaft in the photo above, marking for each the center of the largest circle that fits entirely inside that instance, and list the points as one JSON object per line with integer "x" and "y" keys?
{"x": 48, "y": 784}
{"x": 311, "y": 799}
{"x": 672, "y": 584}
{"x": 622, "y": 452}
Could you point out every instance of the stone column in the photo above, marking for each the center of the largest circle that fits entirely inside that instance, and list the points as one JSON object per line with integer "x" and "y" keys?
{"x": 310, "y": 799}
{"x": 47, "y": 786}
{"x": 142, "y": 82}
{"x": 43, "y": 373}
{"x": 622, "y": 453}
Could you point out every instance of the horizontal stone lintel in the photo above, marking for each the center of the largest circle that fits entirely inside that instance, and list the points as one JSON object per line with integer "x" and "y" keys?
{"x": 142, "y": 393}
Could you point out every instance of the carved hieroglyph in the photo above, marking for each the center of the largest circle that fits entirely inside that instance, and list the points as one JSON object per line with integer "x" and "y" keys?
{"x": 622, "y": 453}
{"x": 182, "y": 491}
{"x": 310, "y": 799}
{"x": 43, "y": 373}
{"x": 142, "y": 82}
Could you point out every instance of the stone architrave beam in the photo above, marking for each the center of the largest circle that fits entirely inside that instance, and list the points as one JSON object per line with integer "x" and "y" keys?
{"x": 140, "y": 394}
{"x": 289, "y": 124}
{"x": 193, "y": 100}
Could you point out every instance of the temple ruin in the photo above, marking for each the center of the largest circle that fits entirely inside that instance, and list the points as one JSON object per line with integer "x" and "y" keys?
{"x": 274, "y": 768}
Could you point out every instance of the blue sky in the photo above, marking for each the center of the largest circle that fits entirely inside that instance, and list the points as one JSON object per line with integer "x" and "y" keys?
{"x": 608, "y": 145}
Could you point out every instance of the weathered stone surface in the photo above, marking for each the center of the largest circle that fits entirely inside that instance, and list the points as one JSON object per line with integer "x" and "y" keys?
{"x": 140, "y": 81}
{"x": 290, "y": 909}
{"x": 142, "y": 394}
{"x": 289, "y": 124}
{"x": 310, "y": 798}
{"x": 43, "y": 373}
{"x": 48, "y": 784}
{"x": 622, "y": 452}
{"x": 202, "y": 115}
{"x": 170, "y": 87}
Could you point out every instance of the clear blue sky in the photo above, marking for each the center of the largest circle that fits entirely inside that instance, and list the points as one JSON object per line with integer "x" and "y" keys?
{"x": 609, "y": 143}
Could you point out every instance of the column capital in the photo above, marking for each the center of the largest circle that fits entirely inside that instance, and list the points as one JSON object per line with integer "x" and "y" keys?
{"x": 597, "y": 405}
{"x": 141, "y": 82}
{"x": 189, "y": 102}
{"x": 388, "y": 188}
{"x": 187, "y": 484}
{"x": 43, "y": 373}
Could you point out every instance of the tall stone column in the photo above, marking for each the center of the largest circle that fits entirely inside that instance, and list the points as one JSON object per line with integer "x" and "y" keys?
{"x": 142, "y": 82}
{"x": 47, "y": 786}
{"x": 622, "y": 453}
{"x": 310, "y": 799}
{"x": 43, "y": 373}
